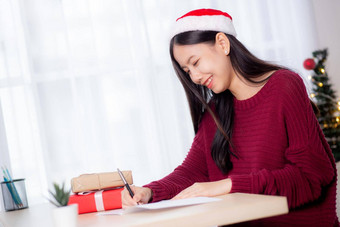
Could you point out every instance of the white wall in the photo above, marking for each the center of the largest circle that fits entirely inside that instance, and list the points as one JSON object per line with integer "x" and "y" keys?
{"x": 327, "y": 18}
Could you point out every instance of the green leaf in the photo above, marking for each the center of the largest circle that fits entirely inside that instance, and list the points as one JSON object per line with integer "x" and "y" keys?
{"x": 60, "y": 195}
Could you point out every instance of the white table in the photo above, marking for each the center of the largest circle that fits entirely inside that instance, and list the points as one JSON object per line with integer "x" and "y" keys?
{"x": 233, "y": 208}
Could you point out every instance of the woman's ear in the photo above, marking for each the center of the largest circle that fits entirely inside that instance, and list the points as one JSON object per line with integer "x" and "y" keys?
{"x": 223, "y": 43}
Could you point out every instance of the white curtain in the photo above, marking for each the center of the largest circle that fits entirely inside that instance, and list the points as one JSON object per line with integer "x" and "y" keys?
{"x": 87, "y": 85}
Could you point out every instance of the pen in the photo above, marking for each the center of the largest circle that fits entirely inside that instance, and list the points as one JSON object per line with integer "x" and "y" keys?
{"x": 125, "y": 183}
{"x": 11, "y": 187}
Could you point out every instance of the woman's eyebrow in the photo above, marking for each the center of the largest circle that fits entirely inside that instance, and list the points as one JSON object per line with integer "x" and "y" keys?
{"x": 190, "y": 58}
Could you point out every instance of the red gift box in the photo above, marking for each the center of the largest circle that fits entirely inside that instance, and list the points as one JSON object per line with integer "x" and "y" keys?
{"x": 97, "y": 201}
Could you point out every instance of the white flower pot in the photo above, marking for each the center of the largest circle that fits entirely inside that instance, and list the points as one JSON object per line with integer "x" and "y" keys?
{"x": 66, "y": 216}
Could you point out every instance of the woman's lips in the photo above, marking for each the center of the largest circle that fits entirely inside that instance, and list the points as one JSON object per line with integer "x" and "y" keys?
{"x": 208, "y": 82}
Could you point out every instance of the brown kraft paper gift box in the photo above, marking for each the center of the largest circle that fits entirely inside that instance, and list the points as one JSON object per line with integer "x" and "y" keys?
{"x": 98, "y": 181}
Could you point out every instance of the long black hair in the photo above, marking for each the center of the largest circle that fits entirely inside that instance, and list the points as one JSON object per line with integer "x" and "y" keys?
{"x": 200, "y": 97}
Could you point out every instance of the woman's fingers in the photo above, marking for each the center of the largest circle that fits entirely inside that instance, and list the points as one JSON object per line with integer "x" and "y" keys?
{"x": 141, "y": 196}
{"x": 127, "y": 201}
{"x": 187, "y": 193}
{"x": 213, "y": 188}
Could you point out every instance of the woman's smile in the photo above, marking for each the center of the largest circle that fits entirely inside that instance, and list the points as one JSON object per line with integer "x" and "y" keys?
{"x": 208, "y": 83}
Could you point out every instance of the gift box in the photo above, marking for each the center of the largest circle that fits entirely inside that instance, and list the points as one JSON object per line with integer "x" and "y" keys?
{"x": 98, "y": 181}
{"x": 97, "y": 201}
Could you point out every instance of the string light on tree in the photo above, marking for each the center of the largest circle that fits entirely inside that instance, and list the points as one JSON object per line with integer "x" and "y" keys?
{"x": 325, "y": 99}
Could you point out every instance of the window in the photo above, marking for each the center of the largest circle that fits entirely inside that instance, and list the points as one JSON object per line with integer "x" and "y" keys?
{"x": 88, "y": 86}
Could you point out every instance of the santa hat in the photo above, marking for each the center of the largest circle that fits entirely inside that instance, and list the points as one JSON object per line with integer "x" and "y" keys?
{"x": 204, "y": 20}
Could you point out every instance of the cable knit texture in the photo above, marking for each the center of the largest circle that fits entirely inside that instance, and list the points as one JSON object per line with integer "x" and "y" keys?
{"x": 281, "y": 151}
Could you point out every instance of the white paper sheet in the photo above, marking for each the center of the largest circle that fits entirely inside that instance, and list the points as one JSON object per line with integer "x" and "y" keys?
{"x": 162, "y": 205}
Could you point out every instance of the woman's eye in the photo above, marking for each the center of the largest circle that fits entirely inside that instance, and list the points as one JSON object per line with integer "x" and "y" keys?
{"x": 196, "y": 62}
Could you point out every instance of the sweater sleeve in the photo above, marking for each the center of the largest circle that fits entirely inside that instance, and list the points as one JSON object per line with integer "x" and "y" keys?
{"x": 193, "y": 169}
{"x": 309, "y": 162}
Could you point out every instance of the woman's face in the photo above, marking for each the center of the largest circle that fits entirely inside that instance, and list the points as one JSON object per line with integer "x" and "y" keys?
{"x": 206, "y": 64}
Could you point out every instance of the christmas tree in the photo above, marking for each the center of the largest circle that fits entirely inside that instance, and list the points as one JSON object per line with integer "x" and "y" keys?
{"x": 324, "y": 97}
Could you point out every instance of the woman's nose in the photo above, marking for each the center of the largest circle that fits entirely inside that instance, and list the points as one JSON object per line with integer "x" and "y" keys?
{"x": 196, "y": 76}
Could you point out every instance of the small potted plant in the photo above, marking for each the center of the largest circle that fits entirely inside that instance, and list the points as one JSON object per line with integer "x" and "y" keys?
{"x": 64, "y": 215}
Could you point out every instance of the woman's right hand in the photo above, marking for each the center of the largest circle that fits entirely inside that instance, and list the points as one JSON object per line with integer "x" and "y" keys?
{"x": 142, "y": 195}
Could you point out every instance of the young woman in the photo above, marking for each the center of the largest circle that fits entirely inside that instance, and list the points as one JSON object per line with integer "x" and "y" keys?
{"x": 255, "y": 128}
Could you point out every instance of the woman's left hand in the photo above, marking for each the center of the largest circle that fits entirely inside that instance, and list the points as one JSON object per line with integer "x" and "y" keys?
{"x": 209, "y": 189}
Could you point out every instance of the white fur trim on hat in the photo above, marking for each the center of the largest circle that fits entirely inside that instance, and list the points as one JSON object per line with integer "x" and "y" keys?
{"x": 204, "y": 23}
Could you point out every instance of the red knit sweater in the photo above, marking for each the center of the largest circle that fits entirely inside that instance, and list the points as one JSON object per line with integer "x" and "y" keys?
{"x": 281, "y": 151}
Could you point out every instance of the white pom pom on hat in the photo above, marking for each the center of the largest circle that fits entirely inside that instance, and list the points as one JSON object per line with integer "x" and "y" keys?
{"x": 204, "y": 20}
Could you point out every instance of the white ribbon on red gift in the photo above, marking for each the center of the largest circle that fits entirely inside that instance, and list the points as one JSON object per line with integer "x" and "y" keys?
{"x": 98, "y": 198}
